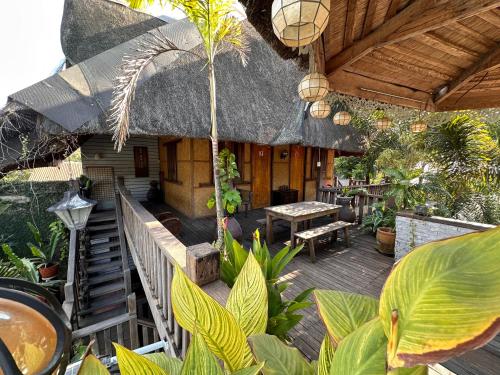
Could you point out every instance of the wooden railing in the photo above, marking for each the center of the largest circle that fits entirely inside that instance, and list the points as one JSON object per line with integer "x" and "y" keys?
{"x": 155, "y": 252}
{"x": 362, "y": 202}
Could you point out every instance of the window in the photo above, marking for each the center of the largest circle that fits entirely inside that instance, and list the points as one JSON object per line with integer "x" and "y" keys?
{"x": 141, "y": 161}
{"x": 171, "y": 148}
{"x": 239, "y": 151}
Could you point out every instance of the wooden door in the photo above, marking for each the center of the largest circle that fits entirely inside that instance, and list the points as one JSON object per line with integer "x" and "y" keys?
{"x": 261, "y": 176}
{"x": 297, "y": 158}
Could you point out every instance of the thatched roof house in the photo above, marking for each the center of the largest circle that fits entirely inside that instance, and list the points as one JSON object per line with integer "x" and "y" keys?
{"x": 257, "y": 103}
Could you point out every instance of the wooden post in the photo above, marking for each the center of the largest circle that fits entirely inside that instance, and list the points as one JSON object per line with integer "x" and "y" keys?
{"x": 123, "y": 245}
{"x": 361, "y": 208}
{"x": 202, "y": 263}
{"x": 69, "y": 287}
{"x": 132, "y": 311}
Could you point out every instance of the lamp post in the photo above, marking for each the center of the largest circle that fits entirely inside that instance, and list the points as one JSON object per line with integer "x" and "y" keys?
{"x": 35, "y": 336}
{"x": 74, "y": 211}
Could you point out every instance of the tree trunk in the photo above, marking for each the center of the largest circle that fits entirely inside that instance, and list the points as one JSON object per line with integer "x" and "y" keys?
{"x": 215, "y": 158}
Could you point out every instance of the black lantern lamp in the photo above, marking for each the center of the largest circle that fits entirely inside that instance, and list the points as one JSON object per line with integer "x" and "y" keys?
{"x": 35, "y": 335}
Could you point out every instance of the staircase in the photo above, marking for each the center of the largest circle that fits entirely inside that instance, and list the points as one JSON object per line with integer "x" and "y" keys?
{"x": 103, "y": 286}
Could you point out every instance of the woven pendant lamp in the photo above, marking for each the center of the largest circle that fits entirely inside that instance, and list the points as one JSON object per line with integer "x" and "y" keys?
{"x": 298, "y": 23}
{"x": 320, "y": 109}
{"x": 418, "y": 127}
{"x": 342, "y": 118}
{"x": 383, "y": 123}
{"x": 313, "y": 87}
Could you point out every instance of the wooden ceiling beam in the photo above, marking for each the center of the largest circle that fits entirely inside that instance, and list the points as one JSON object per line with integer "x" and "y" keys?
{"x": 392, "y": 9}
{"x": 417, "y": 18}
{"x": 361, "y": 86}
{"x": 369, "y": 16}
{"x": 488, "y": 62}
{"x": 318, "y": 55}
{"x": 349, "y": 23}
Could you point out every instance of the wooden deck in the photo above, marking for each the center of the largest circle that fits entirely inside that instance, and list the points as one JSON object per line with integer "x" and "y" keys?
{"x": 358, "y": 269}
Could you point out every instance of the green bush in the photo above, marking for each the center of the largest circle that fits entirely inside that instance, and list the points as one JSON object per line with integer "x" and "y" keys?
{"x": 27, "y": 201}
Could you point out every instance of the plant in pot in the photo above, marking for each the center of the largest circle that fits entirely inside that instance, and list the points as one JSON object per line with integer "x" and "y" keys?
{"x": 85, "y": 186}
{"x": 382, "y": 222}
{"x": 231, "y": 198}
{"x": 45, "y": 252}
{"x": 345, "y": 199}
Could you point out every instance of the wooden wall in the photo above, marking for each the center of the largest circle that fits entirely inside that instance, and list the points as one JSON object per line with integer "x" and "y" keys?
{"x": 194, "y": 186}
{"x": 99, "y": 151}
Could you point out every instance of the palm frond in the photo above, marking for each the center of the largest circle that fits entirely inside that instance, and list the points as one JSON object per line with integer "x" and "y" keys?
{"x": 126, "y": 83}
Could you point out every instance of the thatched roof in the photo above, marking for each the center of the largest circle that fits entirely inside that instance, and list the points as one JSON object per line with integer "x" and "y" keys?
{"x": 257, "y": 103}
{"x": 424, "y": 54}
{"x": 90, "y": 27}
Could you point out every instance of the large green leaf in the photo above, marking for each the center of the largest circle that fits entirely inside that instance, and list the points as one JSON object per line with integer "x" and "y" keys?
{"x": 325, "y": 359}
{"x": 252, "y": 370}
{"x": 92, "y": 366}
{"x": 199, "y": 360}
{"x": 248, "y": 299}
{"x": 362, "y": 352}
{"x": 442, "y": 299}
{"x": 131, "y": 363}
{"x": 279, "y": 359}
{"x": 171, "y": 365}
{"x": 197, "y": 311}
{"x": 343, "y": 312}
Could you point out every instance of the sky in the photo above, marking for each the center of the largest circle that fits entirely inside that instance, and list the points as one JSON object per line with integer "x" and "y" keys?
{"x": 30, "y": 41}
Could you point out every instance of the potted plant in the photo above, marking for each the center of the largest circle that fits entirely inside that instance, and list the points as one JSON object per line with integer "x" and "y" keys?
{"x": 382, "y": 222}
{"x": 231, "y": 198}
{"x": 45, "y": 252}
{"x": 85, "y": 186}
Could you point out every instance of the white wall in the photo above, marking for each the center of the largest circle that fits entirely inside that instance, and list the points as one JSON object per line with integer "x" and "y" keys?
{"x": 123, "y": 162}
{"x": 413, "y": 230}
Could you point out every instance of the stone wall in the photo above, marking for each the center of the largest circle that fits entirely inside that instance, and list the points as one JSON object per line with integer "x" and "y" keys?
{"x": 414, "y": 230}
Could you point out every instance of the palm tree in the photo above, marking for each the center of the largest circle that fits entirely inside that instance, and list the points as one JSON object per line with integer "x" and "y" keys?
{"x": 220, "y": 31}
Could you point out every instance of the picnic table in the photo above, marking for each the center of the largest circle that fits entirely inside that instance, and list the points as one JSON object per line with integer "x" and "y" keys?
{"x": 296, "y": 213}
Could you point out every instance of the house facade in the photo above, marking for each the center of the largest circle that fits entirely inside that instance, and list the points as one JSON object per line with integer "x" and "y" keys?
{"x": 183, "y": 168}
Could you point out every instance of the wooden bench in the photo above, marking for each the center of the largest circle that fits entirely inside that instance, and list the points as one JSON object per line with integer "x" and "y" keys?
{"x": 311, "y": 234}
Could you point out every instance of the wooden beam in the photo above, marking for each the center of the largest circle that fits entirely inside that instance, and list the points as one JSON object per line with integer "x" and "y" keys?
{"x": 392, "y": 9}
{"x": 318, "y": 56}
{"x": 366, "y": 87}
{"x": 417, "y": 18}
{"x": 445, "y": 45}
{"x": 370, "y": 14}
{"x": 489, "y": 61}
{"x": 349, "y": 23}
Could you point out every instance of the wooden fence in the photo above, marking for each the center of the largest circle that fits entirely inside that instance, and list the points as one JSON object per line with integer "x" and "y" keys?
{"x": 362, "y": 201}
{"x": 155, "y": 252}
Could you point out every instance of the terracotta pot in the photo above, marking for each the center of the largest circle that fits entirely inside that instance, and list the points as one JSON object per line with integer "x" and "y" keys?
{"x": 346, "y": 213}
{"x": 48, "y": 271}
{"x": 386, "y": 238}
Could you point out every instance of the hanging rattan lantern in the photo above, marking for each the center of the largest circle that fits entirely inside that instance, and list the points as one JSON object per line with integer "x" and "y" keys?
{"x": 342, "y": 118}
{"x": 383, "y": 123}
{"x": 320, "y": 109}
{"x": 418, "y": 127}
{"x": 298, "y": 23}
{"x": 313, "y": 87}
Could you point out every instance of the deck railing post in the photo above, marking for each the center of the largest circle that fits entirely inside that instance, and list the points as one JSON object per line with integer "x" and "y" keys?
{"x": 202, "y": 263}
{"x": 361, "y": 206}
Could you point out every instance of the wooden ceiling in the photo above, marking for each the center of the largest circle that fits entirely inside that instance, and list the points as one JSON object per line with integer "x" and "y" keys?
{"x": 427, "y": 54}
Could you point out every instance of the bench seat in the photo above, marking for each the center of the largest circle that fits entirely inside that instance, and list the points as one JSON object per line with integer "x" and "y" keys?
{"x": 310, "y": 235}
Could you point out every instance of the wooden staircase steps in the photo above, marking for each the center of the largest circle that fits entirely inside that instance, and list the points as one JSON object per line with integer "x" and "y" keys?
{"x": 101, "y": 227}
{"x": 104, "y": 255}
{"x": 102, "y": 236}
{"x": 104, "y": 266}
{"x": 102, "y": 216}
{"x": 103, "y": 246}
{"x": 106, "y": 288}
{"x": 104, "y": 304}
{"x": 95, "y": 280}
